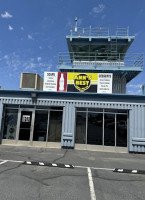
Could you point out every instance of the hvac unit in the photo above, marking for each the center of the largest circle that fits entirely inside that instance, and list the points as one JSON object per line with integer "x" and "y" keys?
{"x": 31, "y": 81}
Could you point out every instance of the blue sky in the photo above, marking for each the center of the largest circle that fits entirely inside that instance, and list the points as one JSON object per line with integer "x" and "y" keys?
{"x": 32, "y": 32}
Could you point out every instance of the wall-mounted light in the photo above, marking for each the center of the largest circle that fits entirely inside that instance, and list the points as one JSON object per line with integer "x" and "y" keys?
{"x": 34, "y": 96}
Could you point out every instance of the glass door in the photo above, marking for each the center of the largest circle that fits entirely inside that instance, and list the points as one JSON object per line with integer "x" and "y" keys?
{"x": 26, "y": 121}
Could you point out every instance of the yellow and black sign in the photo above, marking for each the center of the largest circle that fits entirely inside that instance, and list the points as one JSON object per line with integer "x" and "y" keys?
{"x": 81, "y": 82}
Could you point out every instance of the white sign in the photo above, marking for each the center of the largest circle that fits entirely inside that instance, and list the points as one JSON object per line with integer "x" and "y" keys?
{"x": 50, "y": 81}
{"x": 26, "y": 118}
{"x": 105, "y": 83}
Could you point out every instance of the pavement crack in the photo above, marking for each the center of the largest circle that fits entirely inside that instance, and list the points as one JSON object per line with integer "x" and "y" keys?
{"x": 66, "y": 175}
{"x": 61, "y": 156}
{"x": 6, "y": 170}
{"x": 34, "y": 179}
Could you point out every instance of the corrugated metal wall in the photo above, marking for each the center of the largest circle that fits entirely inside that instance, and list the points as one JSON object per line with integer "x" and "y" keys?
{"x": 136, "y": 128}
{"x": 1, "y": 111}
{"x": 119, "y": 85}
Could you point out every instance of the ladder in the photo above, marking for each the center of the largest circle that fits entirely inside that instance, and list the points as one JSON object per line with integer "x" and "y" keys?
{"x": 113, "y": 49}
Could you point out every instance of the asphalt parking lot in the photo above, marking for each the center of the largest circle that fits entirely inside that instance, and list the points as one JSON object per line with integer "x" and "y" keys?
{"x": 92, "y": 176}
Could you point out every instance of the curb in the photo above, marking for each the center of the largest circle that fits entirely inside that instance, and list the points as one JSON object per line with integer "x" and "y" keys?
{"x": 48, "y": 164}
{"x": 129, "y": 171}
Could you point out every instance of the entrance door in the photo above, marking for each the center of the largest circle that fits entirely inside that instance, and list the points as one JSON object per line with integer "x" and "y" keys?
{"x": 26, "y": 122}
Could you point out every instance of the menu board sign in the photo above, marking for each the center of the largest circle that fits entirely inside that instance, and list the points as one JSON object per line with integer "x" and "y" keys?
{"x": 104, "y": 83}
{"x": 50, "y": 81}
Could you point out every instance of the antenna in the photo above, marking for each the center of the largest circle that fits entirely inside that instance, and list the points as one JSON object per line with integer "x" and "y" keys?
{"x": 76, "y": 21}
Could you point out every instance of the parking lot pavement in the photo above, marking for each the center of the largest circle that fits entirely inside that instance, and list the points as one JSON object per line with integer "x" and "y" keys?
{"x": 109, "y": 186}
{"x": 18, "y": 181}
{"x": 92, "y": 177}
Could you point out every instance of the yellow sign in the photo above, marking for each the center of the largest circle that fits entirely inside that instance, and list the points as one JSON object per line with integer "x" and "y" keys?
{"x": 82, "y": 81}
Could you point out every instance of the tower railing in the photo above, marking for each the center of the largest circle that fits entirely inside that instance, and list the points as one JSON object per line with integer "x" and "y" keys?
{"x": 101, "y": 59}
{"x": 89, "y": 31}
{"x": 97, "y": 31}
{"x": 122, "y": 31}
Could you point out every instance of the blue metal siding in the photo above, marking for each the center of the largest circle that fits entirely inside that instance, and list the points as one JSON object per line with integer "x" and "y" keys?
{"x": 68, "y": 125}
{"x": 119, "y": 85}
{"x": 136, "y": 125}
{"x": 1, "y": 112}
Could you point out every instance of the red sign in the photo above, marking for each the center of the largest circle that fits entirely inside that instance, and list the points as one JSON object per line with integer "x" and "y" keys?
{"x": 62, "y": 82}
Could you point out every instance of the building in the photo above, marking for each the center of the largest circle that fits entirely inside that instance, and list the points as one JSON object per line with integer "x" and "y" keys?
{"x": 108, "y": 121}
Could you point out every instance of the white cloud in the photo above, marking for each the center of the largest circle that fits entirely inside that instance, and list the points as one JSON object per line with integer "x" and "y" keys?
{"x": 6, "y": 56}
{"x": 10, "y": 28}
{"x": 39, "y": 59}
{"x": 133, "y": 86}
{"x": 12, "y": 62}
{"x": 30, "y": 37}
{"x": 137, "y": 34}
{"x": 22, "y": 28}
{"x": 139, "y": 91}
{"x": 134, "y": 89}
{"x": 97, "y": 10}
{"x": 6, "y": 15}
{"x": 15, "y": 64}
{"x": 10, "y": 75}
{"x": 130, "y": 92}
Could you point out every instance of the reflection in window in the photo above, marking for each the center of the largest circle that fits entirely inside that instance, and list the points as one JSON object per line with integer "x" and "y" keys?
{"x": 109, "y": 129}
{"x": 10, "y": 124}
{"x": 81, "y": 109}
{"x": 40, "y": 125}
{"x": 80, "y": 128}
{"x": 95, "y": 128}
{"x": 121, "y": 130}
{"x": 114, "y": 110}
{"x": 95, "y": 109}
{"x": 55, "y": 126}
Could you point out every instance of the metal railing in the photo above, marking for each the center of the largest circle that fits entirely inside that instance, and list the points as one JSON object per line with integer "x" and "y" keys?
{"x": 98, "y": 31}
{"x": 122, "y": 31}
{"x": 101, "y": 59}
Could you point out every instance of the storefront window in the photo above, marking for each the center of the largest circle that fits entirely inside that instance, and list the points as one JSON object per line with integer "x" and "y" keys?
{"x": 121, "y": 130}
{"x": 95, "y": 109}
{"x": 55, "y": 126}
{"x": 109, "y": 129}
{"x": 80, "y": 136}
{"x": 40, "y": 125}
{"x": 10, "y": 124}
{"x": 95, "y": 128}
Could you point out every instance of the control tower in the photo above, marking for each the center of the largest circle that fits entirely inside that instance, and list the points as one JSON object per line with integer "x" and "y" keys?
{"x": 94, "y": 50}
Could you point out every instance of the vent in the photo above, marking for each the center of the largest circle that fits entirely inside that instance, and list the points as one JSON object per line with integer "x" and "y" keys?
{"x": 31, "y": 81}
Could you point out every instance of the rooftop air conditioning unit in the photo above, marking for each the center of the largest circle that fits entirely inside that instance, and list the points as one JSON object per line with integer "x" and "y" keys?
{"x": 31, "y": 81}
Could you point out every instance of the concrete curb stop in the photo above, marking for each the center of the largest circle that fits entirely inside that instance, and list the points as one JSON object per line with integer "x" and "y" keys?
{"x": 129, "y": 171}
{"x": 59, "y": 165}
